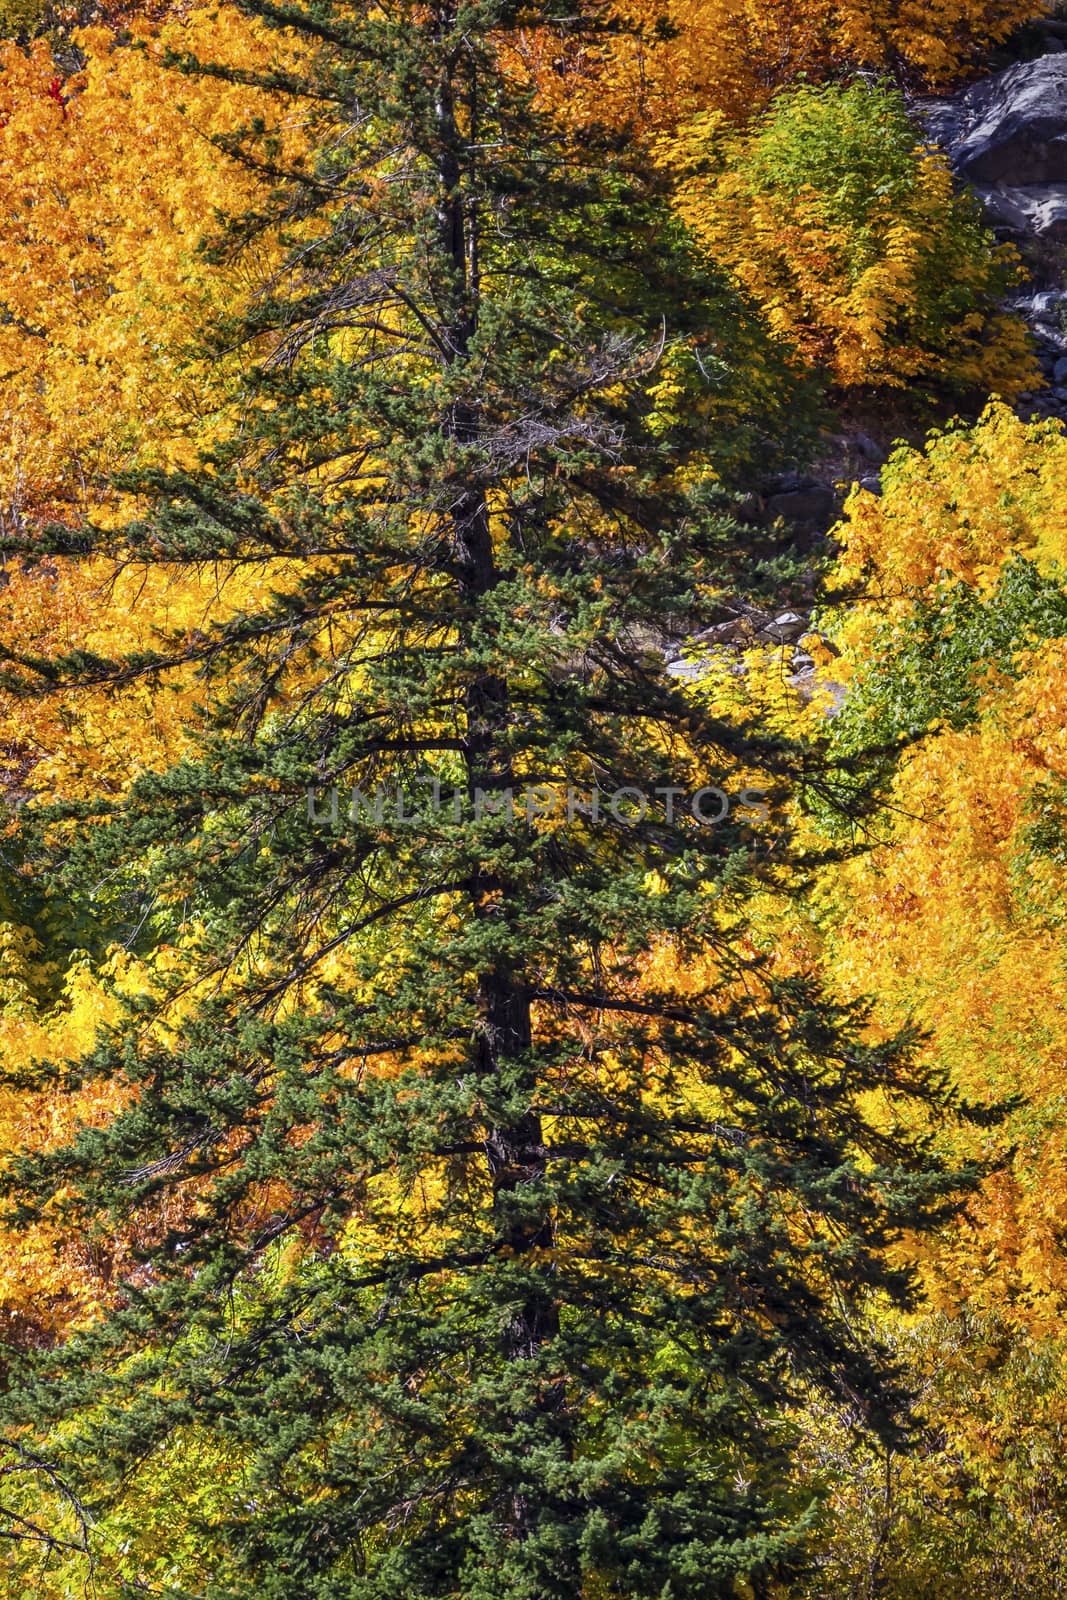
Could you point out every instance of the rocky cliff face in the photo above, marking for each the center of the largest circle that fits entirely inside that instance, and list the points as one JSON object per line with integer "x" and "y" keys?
{"x": 1007, "y": 137}
{"x": 1009, "y": 131}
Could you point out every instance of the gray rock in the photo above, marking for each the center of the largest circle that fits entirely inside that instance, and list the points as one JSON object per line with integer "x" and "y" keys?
{"x": 1007, "y": 135}
{"x": 872, "y": 484}
{"x": 1012, "y": 127}
{"x": 1038, "y": 210}
{"x": 869, "y": 448}
{"x": 688, "y": 670}
{"x": 1039, "y": 304}
{"x": 1045, "y": 302}
{"x": 1059, "y": 372}
{"x": 786, "y": 627}
{"x": 814, "y": 503}
{"x": 728, "y": 632}
{"x": 1054, "y": 339}
{"x": 946, "y": 121}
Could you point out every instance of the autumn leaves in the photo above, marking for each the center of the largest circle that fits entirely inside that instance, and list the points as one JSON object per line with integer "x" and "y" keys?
{"x": 510, "y": 1209}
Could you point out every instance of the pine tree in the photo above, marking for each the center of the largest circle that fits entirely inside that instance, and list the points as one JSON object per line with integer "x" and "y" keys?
{"x": 493, "y": 1196}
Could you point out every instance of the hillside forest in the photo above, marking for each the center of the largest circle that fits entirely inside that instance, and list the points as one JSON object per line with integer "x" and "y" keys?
{"x": 533, "y": 800}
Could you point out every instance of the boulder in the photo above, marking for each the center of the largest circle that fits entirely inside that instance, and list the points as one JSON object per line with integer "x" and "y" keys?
{"x": 787, "y": 627}
{"x": 728, "y": 632}
{"x": 808, "y": 502}
{"x": 1012, "y": 128}
{"x": 1039, "y": 210}
{"x": 869, "y": 448}
{"x": 689, "y": 670}
{"x": 1007, "y": 136}
{"x": 1052, "y": 341}
{"x": 1040, "y": 304}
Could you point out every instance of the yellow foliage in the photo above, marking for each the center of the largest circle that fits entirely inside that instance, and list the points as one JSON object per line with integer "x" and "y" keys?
{"x": 49, "y": 1277}
{"x": 19, "y": 16}
{"x": 882, "y": 276}
{"x": 86, "y": 742}
{"x": 687, "y": 57}
{"x": 982, "y": 1499}
{"x": 954, "y": 921}
{"x": 960, "y": 509}
{"x": 952, "y": 918}
{"x": 108, "y": 183}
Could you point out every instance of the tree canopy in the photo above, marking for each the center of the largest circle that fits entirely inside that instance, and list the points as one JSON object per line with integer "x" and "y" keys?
{"x": 530, "y": 1024}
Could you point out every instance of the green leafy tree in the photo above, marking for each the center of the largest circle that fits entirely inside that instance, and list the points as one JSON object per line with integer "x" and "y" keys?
{"x": 980, "y": 1504}
{"x": 576, "y": 1191}
{"x": 854, "y": 241}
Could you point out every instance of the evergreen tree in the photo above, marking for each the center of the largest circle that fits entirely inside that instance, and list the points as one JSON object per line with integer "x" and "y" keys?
{"x": 493, "y": 1196}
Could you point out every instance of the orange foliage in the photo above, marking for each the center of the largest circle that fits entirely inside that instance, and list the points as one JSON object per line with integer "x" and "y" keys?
{"x": 854, "y": 243}
{"x": 685, "y": 57}
{"x": 955, "y": 921}
{"x": 108, "y": 183}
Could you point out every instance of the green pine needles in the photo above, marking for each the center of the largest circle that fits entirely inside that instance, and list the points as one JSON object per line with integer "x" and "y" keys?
{"x": 492, "y": 1200}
